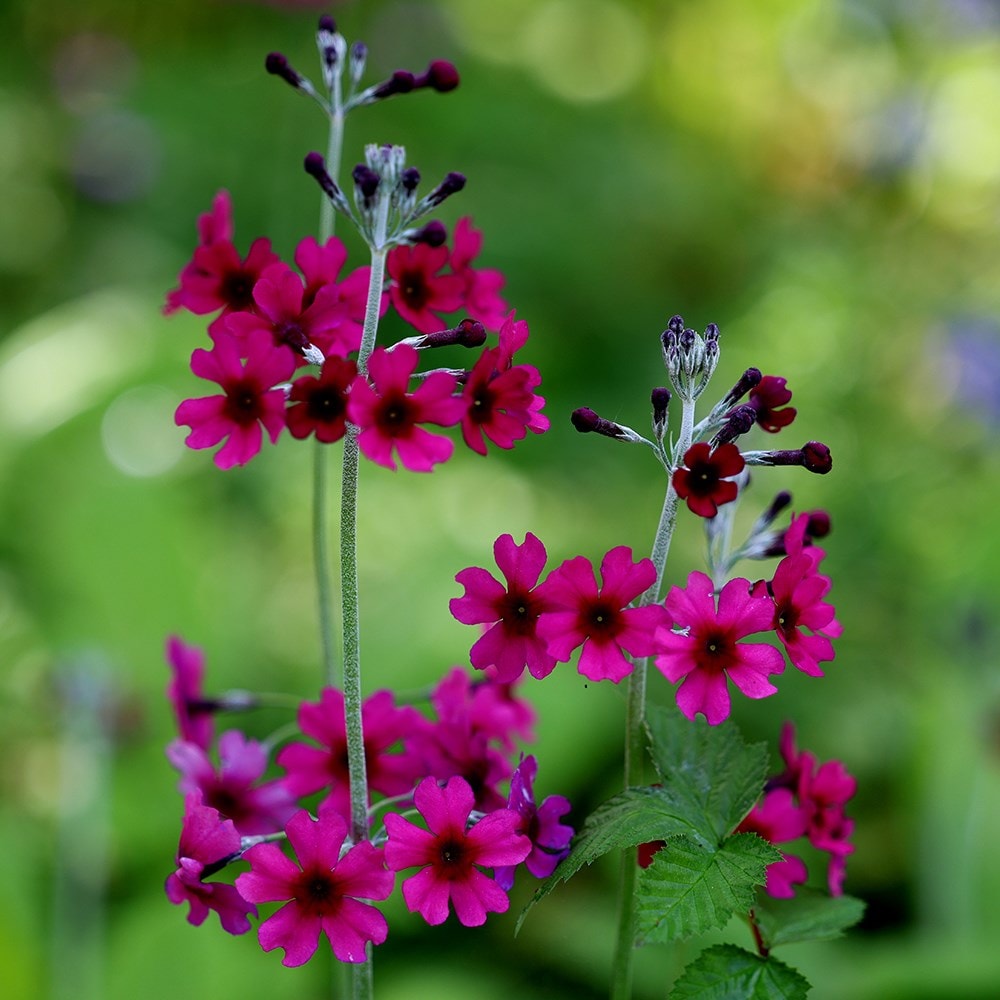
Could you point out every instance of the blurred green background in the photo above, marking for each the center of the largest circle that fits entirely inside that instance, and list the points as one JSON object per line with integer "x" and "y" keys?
{"x": 821, "y": 178}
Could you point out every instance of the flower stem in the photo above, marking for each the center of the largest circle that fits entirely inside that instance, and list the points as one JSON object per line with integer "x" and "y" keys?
{"x": 635, "y": 717}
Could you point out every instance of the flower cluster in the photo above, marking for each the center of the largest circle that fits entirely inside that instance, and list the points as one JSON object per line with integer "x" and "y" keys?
{"x": 272, "y": 320}
{"x": 454, "y": 765}
{"x": 804, "y": 800}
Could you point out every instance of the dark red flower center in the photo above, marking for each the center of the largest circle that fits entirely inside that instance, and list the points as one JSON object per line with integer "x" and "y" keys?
{"x": 291, "y": 333}
{"x": 237, "y": 289}
{"x": 326, "y": 404}
{"x": 454, "y": 856}
{"x": 481, "y": 406}
{"x": 716, "y": 652}
{"x": 703, "y": 478}
{"x": 242, "y": 404}
{"x": 414, "y": 289}
{"x": 786, "y": 619}
{"x": 602, "y": 620}
{"x": 519, "y": 612}
{"x": 316, "y": 891}
{"x": 395, "y": 414}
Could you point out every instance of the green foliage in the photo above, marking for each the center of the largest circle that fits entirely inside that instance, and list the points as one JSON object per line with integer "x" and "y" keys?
{"x": 726, "y": 972}
{"x": 710, "y": 776}
{"x": 689, "y": 889}
{"x": 808, "y": 916}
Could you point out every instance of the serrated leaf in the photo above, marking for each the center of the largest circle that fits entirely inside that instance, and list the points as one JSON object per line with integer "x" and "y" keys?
{"x": 712, "y": 777}
{"x": 808, "y": 916}
{"x": 690, "y": 888}
{"x": 636, "y": 816}
{"x": 726, "y": 972}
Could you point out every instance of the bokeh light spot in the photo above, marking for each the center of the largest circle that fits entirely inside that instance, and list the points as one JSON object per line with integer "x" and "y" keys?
{"x": 138, "y": 431}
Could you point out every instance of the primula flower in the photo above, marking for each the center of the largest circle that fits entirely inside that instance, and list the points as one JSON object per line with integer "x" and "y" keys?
{"x": 765, "y": 397}
{"x": 418, "y": 293}
{"x": 324, "y": 891}
{"x": 232, "y": 789}
{"x": 313, "y": 769}
{"x": 207, "y": 842}
{"x": 481, "y": 288}
{"x": 249, "y": 401}
{"x": 708, "y": 651}
{"x": 388, "y": 415}
{"x": 777, "y": 818}
{"x": 703, "y": 483}
{"x": 512, "y": 641}
{"x": 281, "y": 311}
{"x": 447, "y": 854}
{"x": 319, "y": 404}
{"x": 599, "y": 618}
{"x": 217, "y": 277}
{"x": 549, "y": 838}
{"x": 486, "y": 706}
{"x": 194, "y": 718}
{"x": 321, "y": 267}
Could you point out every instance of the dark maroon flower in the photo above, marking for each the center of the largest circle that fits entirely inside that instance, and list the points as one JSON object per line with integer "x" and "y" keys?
{"x": 319, "y": 405}
{"x": 704, "y": 483}
{"x": 766, "y": 397}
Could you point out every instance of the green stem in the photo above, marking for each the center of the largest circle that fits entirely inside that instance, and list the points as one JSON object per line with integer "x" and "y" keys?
{"x": 635, "y": 716}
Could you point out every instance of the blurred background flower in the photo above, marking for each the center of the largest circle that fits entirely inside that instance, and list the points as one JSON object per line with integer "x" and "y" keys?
{"x": 819, "y": 177}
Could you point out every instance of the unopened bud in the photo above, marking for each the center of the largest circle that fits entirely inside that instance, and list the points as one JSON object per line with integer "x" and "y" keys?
{"x": 401, "y": 82}
{"x": 818, "y": 525}
{"x": 366, "y": 181}
{"x": 816, "y": 457}
{"x": 468, "y": 333}
{"x": 316, "y": 167}
{"x": 441, "y": 76}
{"x": 433, "y": 234}
{"x": 359, "y": 57}
{"x": 750, "y": 378}
{"x": 739, "y": 421}
{"x": 452, "y": 184}
{"x": 277, "y": 64}
{"x": 660, "y": 398}
{"x": 409, "y": 179}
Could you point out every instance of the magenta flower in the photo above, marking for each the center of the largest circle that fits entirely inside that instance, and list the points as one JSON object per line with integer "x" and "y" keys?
{"x": 777, "y": 818}
{"x": 249, "y": 401}
{"x": 481, "y": 288}
{"x": 207, "y": 843}
{"x": 388, "y": 415}
{"x": 324, "y": 891}
{"x": 324, "y": 768}
{"x": 765, "y": 397}
{"x": 281, "y": 312}
{"x": 708, "y": 652}
{"x": 703, "y": 483}
{"x": 418, "y": 292}
{"x": 321, "y": 267}
{"x": 512, "y": 641}
{"x": 599, "y": 619}
{"x": 216, "y": 277}
{"x": 447, "y": 854}
{"x": 233, "y": 789}
{"x": 549, "y": 838}
{"x": 194, "y": 715}
{"x": 319, "y": 404}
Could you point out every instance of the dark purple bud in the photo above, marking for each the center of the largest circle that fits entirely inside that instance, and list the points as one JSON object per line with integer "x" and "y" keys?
{"x": 409, "y": 179}
{"x": 441, "y": 76}
{"x": 327, "y": 24}
{"x": 316, "y": 167}
{"x": 452, "y": 184}
{"x": 660, "y": 398}
{"x": 818, "y": 525}
{"x": 277, "y": 64}
{"x": 687, "y": 339}
{"x": 366, "y": 180}
{"x": 433, "y": 234}
{"x": 586, "y": 421}
{"x": 711, "y": 333}
{"x": 778, "y": 504}
{"x": 401, "y": 82}
{"x": 816, "y": 457}
{"x": 739, "y": 421}
{"x": 468, "y": 333}
{"x": 676, "y": 325}
{"x": 750, "y": 378}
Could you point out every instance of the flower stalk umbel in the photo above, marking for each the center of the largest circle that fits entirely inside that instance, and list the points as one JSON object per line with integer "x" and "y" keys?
{"x": 442, "y": 794}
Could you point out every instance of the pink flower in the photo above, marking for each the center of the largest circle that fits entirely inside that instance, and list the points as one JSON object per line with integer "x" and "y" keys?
{"x": 389, "y": 415}
{"x": 216, "y": 225}
{"x": 418, "y": 292}
{"x": 766, "y": 397}
{"x": 313, "y": 769}
{"x": 281, "y": 311}
{"x": 319, "y": 405}
{"x": 703, "y": 483}
{"x": 481, "y": 288}
{"x": 447, "y": 854}
{"x": 708, "y": 651}
{"x": 778, "y": 819}
{"x": 324, "y": 891}
{"x": 207, "y": 843}
{"x": 512, "y": 642}
{"x": 232, "y": 789}
{"x": 249, "y": 400}
{"x": 194, "y": 717}
{"x": 599, "y": 619}
{"x": 321, "y": 266}
{"x": 549, "y": 838}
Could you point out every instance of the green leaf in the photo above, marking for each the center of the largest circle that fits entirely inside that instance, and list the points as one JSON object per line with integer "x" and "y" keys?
{"x": 709, "y": 774}
{"x": 636, "y": 816}
{"x": 689, "y": 888}
{"x": 726, "y": 972}
{"x": 808, "y": 916}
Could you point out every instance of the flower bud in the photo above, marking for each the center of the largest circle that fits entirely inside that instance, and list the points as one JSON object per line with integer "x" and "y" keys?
{"x": 401, "y": 82}
{"x": 441, "y": 76}
{"x": 660, "y": 398}
{"x": 452, "y": 184}
{"x": 433, "y": 234}
{"x": 816, "y": 457}
{"x": 359, "y": 57}
{"x": 277, "y": 64}
{"x": 747, "y": 381}
{"x": 739, "y": 421}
